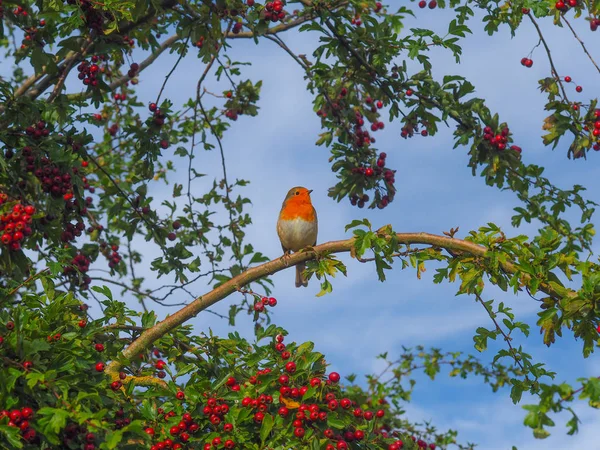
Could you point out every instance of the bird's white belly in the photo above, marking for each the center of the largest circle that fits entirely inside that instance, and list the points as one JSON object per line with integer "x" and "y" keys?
{"x": 297, "y": 234}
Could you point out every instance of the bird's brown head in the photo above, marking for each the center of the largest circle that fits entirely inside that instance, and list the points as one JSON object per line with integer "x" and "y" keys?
{"x": 298, "y": 195}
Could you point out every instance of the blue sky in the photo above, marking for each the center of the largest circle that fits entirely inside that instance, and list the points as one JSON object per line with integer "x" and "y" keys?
{"x": 363, "y": 317}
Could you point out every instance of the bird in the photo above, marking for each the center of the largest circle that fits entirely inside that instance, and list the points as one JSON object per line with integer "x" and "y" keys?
{"x": 297, "y": 226}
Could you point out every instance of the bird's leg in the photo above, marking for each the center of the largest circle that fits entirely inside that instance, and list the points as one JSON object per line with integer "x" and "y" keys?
{"x": 286, "y": 256}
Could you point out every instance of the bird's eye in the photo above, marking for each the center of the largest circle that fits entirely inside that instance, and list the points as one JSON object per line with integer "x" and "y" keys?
{"x": 297, "y": 192}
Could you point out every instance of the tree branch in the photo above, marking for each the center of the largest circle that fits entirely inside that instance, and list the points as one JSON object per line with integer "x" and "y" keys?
{"x": 255, "y": 273}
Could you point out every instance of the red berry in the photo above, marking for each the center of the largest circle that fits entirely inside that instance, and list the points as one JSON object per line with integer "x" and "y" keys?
{"x": 180, "y": 395}
{"x": 99, "y": 347}
{"x": 82, "y": 323}
{"x": 174, "y": 430}
{"x": 290, "y": 367}
{"x": 334, "y": 377}
{"x": 299, "y": 432}
{"x": 568, "y": 79}
{"x": 579, "y": 89}
{"x": 100, "y": 366}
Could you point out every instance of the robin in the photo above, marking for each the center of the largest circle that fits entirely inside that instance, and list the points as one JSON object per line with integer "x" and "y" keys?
{"x": 297, "y": 226}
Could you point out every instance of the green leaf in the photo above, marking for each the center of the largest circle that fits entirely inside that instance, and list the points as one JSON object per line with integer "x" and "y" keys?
{"x": 266, "y": 427}
{"x": 11, "y": 436}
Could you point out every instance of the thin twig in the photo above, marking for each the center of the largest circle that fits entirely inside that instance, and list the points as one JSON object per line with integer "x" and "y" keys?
{"x": 181, "y": 54}
{"x": 582, "y": 43}
{"x": 552, "y": 66}
{"x": 504, "y": 335}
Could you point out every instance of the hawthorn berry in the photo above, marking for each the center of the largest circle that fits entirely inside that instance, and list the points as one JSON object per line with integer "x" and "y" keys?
{"x": 334, "y": 377}
{"x": 99, "y": 347}
{"x": 290, "y": 367}
{"x": 299, "y": 432}
{"x": 100, "y": 367}
{"x": 180, "y": 395}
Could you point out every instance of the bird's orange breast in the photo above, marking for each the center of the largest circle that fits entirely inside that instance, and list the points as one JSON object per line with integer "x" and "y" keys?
{"x": 297, "y": 210}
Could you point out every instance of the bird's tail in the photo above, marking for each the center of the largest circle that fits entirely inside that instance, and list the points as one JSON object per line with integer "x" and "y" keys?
{"x": 300, "y": 280}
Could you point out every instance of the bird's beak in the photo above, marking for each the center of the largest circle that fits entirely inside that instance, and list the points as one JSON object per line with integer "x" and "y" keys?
{"x": 310, "y": 190}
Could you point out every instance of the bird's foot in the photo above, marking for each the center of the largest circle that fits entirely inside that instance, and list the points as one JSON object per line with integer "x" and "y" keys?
{"x": 285, "y": 258}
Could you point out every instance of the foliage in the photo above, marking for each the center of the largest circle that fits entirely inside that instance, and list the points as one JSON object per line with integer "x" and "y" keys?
{"x": 80, "y": 155}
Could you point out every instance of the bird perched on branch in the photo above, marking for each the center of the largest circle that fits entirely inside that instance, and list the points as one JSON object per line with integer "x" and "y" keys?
{"x": 297, "y": 226}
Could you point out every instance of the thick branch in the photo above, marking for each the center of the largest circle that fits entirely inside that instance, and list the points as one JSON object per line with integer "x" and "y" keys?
{"x": 152, "y": 334}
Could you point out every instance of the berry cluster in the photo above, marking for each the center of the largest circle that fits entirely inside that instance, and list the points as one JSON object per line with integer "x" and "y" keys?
{"x": 133, "y": 70}
{"x": 526, "y": 62}
{"x": 15, "y": 225}
{"x": 274, "y": 11}
{"x": 564, "y": 6}
{"x": 80, "y": 264}
{"x": 410, "y": 129}
{"x": 38, "y": 130}
{"x": 29, "y": 37}
{"x": 262, "y": 303}
{"x": 54, "y": 182}
{"x": 499, "y": 140}
{"x": 111, "y": 253}
{"x": 20, "y": 418}
{"x": 568, "y": 79}
{"x": 71, "y": 231}
{"x": 120, "y": 419}
{"x": 89, "y": 72}
{"x": 20, "y": 11}
{"x": 432, "y": 4}
{"x": 77, "y": 436}
{"x": 159, "y": 117}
